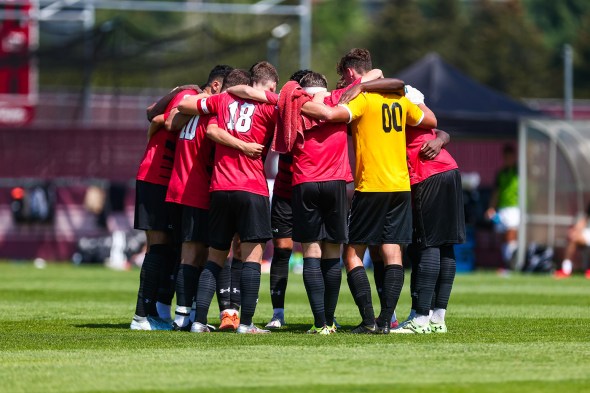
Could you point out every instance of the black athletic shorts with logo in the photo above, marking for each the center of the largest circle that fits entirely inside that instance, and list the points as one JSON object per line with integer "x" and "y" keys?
{"x": 438, "y": 211}
{"x": 191, "y": 224}
{"x": 320, "y": 211}
{"x": 380, "y": 218}
{"x": 243, "y": 212}
{"x": 152, "y": 212}
{"x": 281, "y": 217}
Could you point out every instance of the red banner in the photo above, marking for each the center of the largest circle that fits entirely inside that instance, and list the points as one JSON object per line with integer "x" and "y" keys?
{"x": 18, "y": 76}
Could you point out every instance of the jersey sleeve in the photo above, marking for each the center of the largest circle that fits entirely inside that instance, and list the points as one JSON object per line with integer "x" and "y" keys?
{"x": 273, "y": 98}
{"x": 414, "y": 115}
{"x": 356, "y": 107}
{"x": 209, "y": 105}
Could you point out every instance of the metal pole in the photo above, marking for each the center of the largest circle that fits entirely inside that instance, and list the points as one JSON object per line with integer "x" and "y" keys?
{"x": 568, "y": 82}
{"x": 522, "y": 189}
{"x": 305, "y": 35}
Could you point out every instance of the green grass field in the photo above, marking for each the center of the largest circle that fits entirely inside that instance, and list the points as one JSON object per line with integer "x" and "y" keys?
{"x": 66, "y": 329}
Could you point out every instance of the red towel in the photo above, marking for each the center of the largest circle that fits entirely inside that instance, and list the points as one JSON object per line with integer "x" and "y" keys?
{"x": 291, "y": 122}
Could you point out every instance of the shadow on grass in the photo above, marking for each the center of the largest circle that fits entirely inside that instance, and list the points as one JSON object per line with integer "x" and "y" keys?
{"x": 104, "y": 326}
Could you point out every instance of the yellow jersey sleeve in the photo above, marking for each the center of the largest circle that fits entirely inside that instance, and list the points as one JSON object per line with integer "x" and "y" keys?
{"x": 356, "y": 107}
{"x": 414, "y": 115}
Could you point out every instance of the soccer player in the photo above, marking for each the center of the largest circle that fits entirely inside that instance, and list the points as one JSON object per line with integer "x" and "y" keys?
{"x": 239, "y": 194}
{"x": 152, "y": 216}
{"x": 189, "y": 192}
{"x": 381, "y": 206}
{"x": 503, "y": 208}
{"x": 578, "y": 237}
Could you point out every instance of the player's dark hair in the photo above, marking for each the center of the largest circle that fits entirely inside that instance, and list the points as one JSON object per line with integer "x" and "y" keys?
{"x": 218, "y": 73}
{"x": 314, "y": 79}
{"x": 358, "y": 59}
{"x": 297, "y": 75}
{"x": 262, "y": 72}
{"x": 236, "y": 77}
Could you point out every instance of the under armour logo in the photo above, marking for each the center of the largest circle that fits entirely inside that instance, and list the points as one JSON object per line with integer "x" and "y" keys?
{"x": 236, "y": 290}
{"x": 275, "y": 292}
{"x": 224, "y": 290}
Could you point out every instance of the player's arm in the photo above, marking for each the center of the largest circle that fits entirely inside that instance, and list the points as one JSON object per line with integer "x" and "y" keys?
{"x": 429, "y": 121}
{"x": 176, "y": 120}
{"x": 193, "y": 105}
{"x": 383, "y": 85}
{"x": 156, "y": 123}
{"x": 159, "y": 107}
{"x": 249, "y": 93}
{"x": 221, "y": 136}
{"x": 431, "y": 148}
{"x": 318, "y": 111}
{"x": 375, "y": 73}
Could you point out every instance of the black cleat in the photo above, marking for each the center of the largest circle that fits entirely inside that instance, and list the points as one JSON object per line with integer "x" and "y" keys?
{"x": 364, "y": 329}
{"x": 381, "y": 328}
{"x": 177, "y": 328}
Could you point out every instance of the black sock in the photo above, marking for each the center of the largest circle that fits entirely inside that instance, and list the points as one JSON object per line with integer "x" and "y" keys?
{"x": 414, "y": 255}
{"x": 250, "y": 285}
{"x": 393, "y": 281}
{"x": 150, "y": 279}
{"x": 279, "y": 274}
{"x": 207, "y": 285}
{"x": 361, "y": 292}
{"x": 446, "y": 276}
{"x": 378, "y": 272}
{"x": 186, "y": 285}
{"x": 314, "y": 286}
{"x": 223, "y": 287}
{"x": 168, "y": 270}
{"x": 235, "y": 296}
{"x": 332, "y": 281}
{"x": 426, "y": 277}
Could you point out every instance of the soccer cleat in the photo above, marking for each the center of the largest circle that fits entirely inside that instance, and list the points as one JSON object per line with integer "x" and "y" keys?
{"x": 250, "y": 329}
{"x": 149, "y": 323}
{"x": 587, "y": 274}
{"x": 336, "y": 324}
{"x": 412, "y": 327}
{"x": 438, "y": 327}
{"x": 198, "y": 327}
{"x": 333, "y": 328}
{"x": 364, "y": 329}
{"x": 230, "y": 320}
{"x": 382, "y": 328}
{"x": 324, "y": 330}
{"x": 177, "y": 328}
{"x": 393, "y": 324}
{"x": 275, "y": 323}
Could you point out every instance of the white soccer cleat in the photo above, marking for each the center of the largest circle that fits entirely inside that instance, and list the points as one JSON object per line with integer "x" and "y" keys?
{"x": 149, "y": 323}
{"x": 251, "y": 329}
{"x": 412, "y": 327}
{"x": 275, "y": 323}
{"x": 198, "y": 327}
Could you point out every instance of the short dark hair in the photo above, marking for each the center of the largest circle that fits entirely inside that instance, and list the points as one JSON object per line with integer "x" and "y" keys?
{"x": 314, "y": 79}
{"x": 262, "y": 72}
{"x": 358, "y": 59}
{"x": 297, "y": 75}
{"x": 219, "y": 72}
{"x": 236, "y": 77}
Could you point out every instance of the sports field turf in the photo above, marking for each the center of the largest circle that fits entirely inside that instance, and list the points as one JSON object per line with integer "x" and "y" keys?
{"x": 66, "y": 329}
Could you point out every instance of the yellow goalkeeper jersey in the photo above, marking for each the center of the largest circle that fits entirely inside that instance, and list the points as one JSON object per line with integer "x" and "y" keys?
{"x": 378, "y": 124}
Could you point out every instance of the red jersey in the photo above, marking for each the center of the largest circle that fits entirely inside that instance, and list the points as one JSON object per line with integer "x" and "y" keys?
{"x": 158, "y": 158}
{"x": 193, "y": 163}
{"x": 420, "y": 168}
{"x": 283, "y": 181}
{"x": 250, "y": 121}
{"x": 323, "y": 156}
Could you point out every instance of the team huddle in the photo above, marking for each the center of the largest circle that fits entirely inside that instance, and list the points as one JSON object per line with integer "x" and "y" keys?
{"x": 202, "y": 195}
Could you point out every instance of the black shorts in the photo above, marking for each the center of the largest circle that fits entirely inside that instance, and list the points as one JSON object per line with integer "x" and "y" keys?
{"x": 243, "y": 212}
{"x": 191, "y": 224}
{"x": 438, "y": 211}
{"x": 381, "y": 218}
{"x": 320, "y": 212}
{"x": 152, "y": 212}
{"x": 281, "y": 217}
